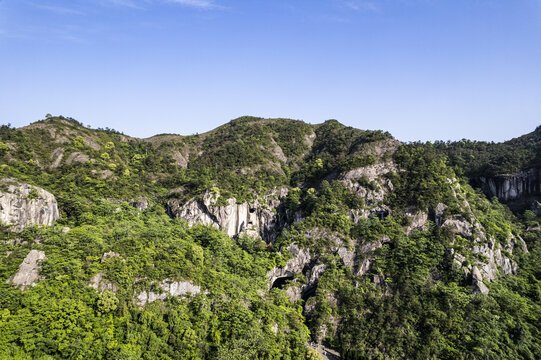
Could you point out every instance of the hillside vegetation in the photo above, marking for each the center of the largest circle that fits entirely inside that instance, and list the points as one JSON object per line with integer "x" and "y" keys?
{"x": 380, "y": 250}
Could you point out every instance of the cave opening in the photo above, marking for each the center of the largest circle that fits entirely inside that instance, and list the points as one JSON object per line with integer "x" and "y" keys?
{"x": 309, "y": 292}
{"x": 280, "y": 282}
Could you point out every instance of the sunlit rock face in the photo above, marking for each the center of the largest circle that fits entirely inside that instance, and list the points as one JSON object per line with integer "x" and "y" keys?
{"x": 28, "y": 273}
{"x": 23, "y": 205}
{"x": 255, "y": 218}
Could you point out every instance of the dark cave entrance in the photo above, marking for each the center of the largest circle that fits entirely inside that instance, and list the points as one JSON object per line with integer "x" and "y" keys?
{"x": 280, "y": 282}
{"x": 309, "y": 292}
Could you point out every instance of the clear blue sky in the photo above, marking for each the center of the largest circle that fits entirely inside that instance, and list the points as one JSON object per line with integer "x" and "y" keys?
{"x": 421, "y": 69}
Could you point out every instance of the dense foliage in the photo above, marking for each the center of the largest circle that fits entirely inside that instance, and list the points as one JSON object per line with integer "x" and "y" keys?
{"x": 413, "y": 300}
{"x": 63, "y": 317}
{"x": 480, "y": 158}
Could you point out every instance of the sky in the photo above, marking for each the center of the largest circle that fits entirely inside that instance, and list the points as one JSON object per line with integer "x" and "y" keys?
{"x": 420, "y": 69}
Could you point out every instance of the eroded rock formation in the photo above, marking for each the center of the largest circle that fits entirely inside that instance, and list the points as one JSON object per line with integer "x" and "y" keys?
{"x": 23, "y": 205}
{"x": 256, "y": 218}
{"x": 512, "y": 186}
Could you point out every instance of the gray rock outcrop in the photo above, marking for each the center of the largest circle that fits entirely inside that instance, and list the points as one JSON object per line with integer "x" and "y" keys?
{"x": 23, "y": 205}
{"x": 28, "y": 273}
{"x": 477, "y": 280}
{"x": 369, "y": 182}
{"x": 366, "y": 255}
{"x": 255, "y": 218}
{"x": 301, "y": 258}
{"x": 460, "y": 226}
{"x": 101, "y": 284}
{"x": 496, "y": 262}
{"x": 172, "y": 288}
{"x": 109, "y": 255}
{"x": 512, "y": 186}
{"x": 418, "y": 221}
{"x": 139, "y": 204}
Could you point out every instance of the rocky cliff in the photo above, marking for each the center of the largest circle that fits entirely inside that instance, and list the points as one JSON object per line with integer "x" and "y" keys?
{"x": 512, "y": 186}
{"x": 22, "y": 205}
{"x": 257, "y": 218}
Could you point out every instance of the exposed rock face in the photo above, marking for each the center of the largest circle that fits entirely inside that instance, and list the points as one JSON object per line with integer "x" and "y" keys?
{"x": 460, "y": 226}
{"x": 418, "y": 221}
{"x": 514, "y": 186}
{"x": 76, "y": 157}
{"x": 256, "y": 219}
{"x": 294, "y": 293}
{"x": 347, "y": 256}
{"x": 173, "y": 288}
{"x": 57, "y": 155}
{"x": 181, "y": 158}
{"x": 366, "y": 255}
{"x": 477, "y": 279}
{"x": 101, "y": 284}
{"x": 140, "y": 204}
{"x": 490, "y": 261}
{"x": 109, "y": 255}
{"x": 325, "y": 352}
{"x": 22, "y": 205}
{"x": 438, "y": 213}
{"x": 369, "y": 182}
{"x": 381, "y": 211}
{"x": 496, "y": 262}
{"x": 293, "y": 266}
{"x": 28, "y": 273}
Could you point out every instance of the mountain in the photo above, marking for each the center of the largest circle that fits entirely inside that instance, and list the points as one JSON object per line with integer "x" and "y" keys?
{"x": 267, "y": 238}
{"x": 508, "y": 170}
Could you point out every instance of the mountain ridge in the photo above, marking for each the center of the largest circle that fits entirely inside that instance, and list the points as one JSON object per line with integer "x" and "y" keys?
{"x": 266, "y": 235}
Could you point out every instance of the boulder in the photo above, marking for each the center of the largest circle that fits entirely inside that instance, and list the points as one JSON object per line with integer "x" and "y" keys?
{"x": 23, "y": 205}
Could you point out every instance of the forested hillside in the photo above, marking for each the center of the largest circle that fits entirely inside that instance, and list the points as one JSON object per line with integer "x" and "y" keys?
{"x": 264, "y": 239}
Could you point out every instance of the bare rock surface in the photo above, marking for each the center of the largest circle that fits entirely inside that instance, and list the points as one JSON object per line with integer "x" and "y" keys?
{"x": 371, "y": 172}
{"x": 101, "y": 284}
{"x": 139, "y": 204}
{"x": 460, "y": 226}
{"x": 57, "y": 155}
{"x": 172, "y": 288}
{"x": 181, "y": 158}
{"x": 301, "y": 258}
{"x": 369, "y": 182}
{"x": 109, "y": 255}
{"x": 325, "y": 352}
{"x": 28, "y": 273}
{"x": 477, "y": 279}
{"x": 23, "y": 205}
{"x": 509, "y": 187}
{"x": 418, "y": 221}
{"x": 76, "y": 157}
{"x": 255, "y": 218}
{"x": 495, "y": 263}
{"x": 366, "y": 255}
